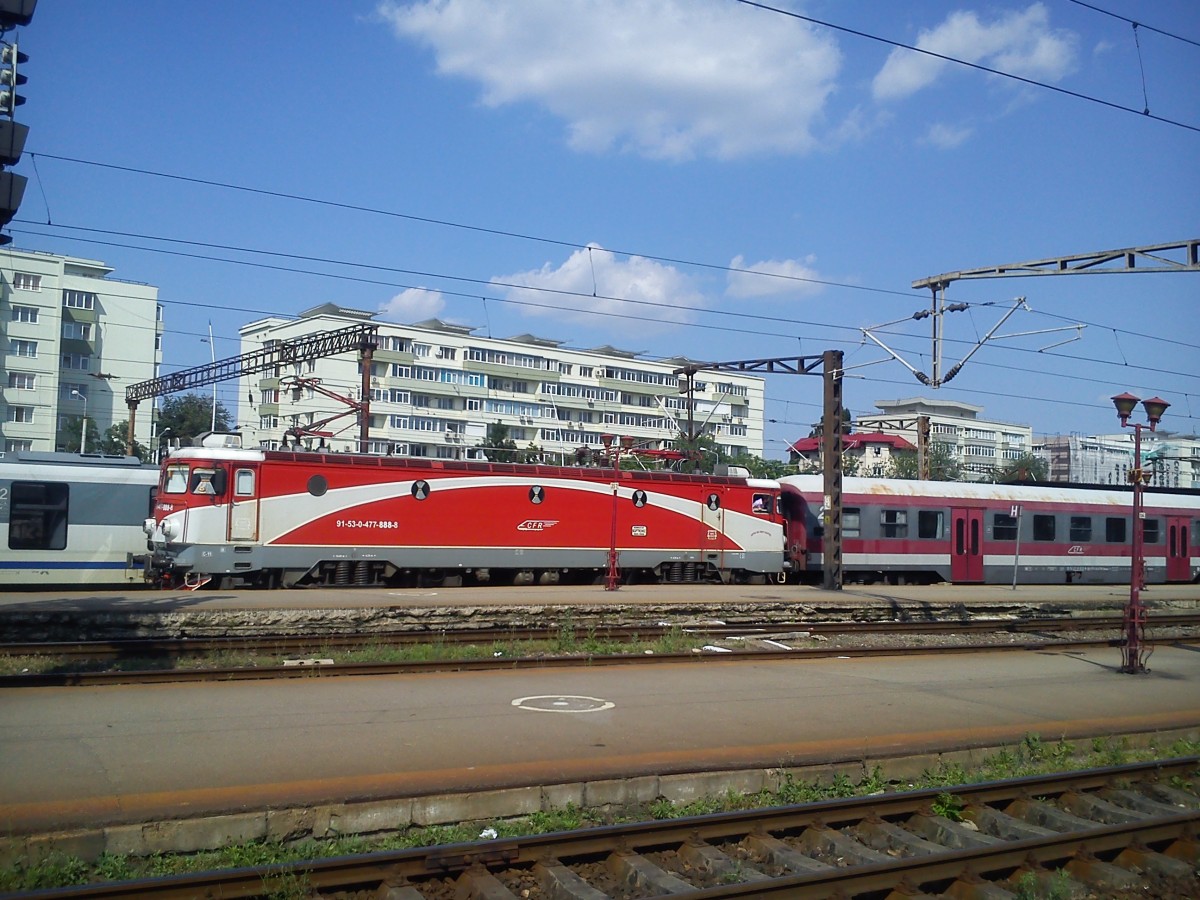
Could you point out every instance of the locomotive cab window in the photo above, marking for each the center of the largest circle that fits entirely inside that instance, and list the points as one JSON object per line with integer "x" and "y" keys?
{"x": 208, "y": 481}
{"x": 37, "y": 518}
{"x": 761, "y": 503}
{"x": 243, "y": 483}
{"x": 176, "y": 480}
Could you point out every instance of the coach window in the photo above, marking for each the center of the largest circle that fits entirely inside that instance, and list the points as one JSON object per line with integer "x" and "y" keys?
{"x": 37, "y": 517}
{"x": 894, "y": 523}
{"x": 1114, "y": 530}
{"x": 1151, "y": 531}
{"x": 851, "y": 522}
{"x": 176, "y": 480}
{"x": 929, "y": 523}
{"x": 243, "y": 483}
{"x": 1043, "y": 528}
{"x": 1081, "y": 528}
{"x": 1004, "y": 527}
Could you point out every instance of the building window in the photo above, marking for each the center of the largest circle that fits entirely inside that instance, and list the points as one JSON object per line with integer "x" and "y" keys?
{"x": 268, "y": 422}
{"x": 1114, "y": 530}
{"x": 1043, "y": 528}
{"x": 27, "y": 314}
{"x": 76, "y": 361}
{"x": 79, "y": 300}
{"x": 22, "y": 348}
{"x": 22, "y": 414}
{"x": 22, "y": 381}
{"x": 27, "y": 281}
{"x": 1081, "y": 528}
{"x": 78, "y": 331}
{"x": 11, "y": 446}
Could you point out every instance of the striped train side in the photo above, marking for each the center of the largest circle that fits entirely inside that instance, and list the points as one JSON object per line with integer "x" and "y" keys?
{"x": 900, "y": 531}
{"x": 70, "y": 519}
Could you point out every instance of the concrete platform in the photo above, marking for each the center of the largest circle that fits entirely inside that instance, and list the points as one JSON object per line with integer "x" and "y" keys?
{"x": 89, "y": 767}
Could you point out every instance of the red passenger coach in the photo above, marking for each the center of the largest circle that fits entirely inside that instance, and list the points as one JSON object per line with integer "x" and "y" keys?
{"x": 267, "y": 518}
{"x": 901, "y": 531}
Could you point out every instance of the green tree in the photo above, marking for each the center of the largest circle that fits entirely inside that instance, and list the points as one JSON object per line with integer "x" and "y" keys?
{"x": 113, "y": 442}
{"x": 851, "y": 464}
{"x": 762, "y": 468}
{"x": 188, "y": 415}
{"x": 69, "y": 436}
{"x": 942, "y": 464}
{"x": 818, "y": 428}
{"x": 499, "y": 446}
{"x": 703, "y": 455}
{"x": 1026, "y": 467}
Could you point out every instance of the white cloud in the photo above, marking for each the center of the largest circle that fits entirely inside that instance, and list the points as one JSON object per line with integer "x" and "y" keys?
{"x": 783, "y": 277}
{"x": 667, "y": 79}
{"x": 946, "y": 136}
{"x": 592, "y": 280}
{"x": 1020, "y": 42}
{"x": 414, "y": 304}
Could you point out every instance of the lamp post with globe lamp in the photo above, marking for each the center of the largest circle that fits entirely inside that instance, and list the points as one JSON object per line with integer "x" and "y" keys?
{"x": 83, "y": 422}
{"x": 1135, "y": 614}
{"x": 614, "y": 447}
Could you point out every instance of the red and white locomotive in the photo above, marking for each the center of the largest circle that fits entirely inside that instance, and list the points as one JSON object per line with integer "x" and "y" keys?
{"x": 901, "y": 531}
{"x": 282, "y": 518}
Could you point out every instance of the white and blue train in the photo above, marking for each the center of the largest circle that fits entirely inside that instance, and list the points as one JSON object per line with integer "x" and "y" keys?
{"x": 69, "y": 519}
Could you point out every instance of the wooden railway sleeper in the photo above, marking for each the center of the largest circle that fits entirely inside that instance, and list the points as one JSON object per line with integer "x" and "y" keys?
{"x": 970, "y": 886}
{"x": 1043, "y": 814}
{"x": 477, "y": 883}
{"x": 839, "y": 848}
{"x": 1138, "y": 802}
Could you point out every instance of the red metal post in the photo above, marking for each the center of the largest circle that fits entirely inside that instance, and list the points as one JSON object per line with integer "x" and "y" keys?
{"x": 1135, "y": 614}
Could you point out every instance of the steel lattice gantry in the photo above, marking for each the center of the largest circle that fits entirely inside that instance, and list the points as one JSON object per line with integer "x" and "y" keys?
{"x": 830, "y": 363}
{"x": 329, "y": 343}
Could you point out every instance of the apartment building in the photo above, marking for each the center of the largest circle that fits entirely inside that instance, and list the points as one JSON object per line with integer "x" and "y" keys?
{"x": 980, "y": 446}
{"x": 1173, "y": 460}
{"x": 436, "y": 387}
{"x": 72, "y": 339}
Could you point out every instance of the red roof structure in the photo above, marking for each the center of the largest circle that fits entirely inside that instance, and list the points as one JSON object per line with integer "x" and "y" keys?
{"x": 854, "y": 441}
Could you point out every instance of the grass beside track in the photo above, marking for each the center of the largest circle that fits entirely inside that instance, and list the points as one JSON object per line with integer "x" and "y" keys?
{"x": 565, "y": 643}
{"x": 1032, "y": 756}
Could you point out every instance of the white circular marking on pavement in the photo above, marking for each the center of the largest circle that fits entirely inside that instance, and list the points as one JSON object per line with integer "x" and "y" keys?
{"x": 562, "y": 703}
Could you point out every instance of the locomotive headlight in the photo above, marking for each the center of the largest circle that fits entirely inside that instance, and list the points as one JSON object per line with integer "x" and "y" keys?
{"x": 170, "y": 529}
{"x": 148, "y": 527}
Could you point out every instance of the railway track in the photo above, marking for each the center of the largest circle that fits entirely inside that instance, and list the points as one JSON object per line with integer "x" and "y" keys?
{"x": 178, "y": 648}
{"x": 1107, "y": 831}
{"x": 164, "y": 651}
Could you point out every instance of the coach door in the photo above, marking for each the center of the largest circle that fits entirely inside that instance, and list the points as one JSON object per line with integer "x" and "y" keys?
{"x": 966, "y": 546}
{"x": 712, "y": 528}
{"x": 243, "y": 506}
{"x": 1179, "y": 554}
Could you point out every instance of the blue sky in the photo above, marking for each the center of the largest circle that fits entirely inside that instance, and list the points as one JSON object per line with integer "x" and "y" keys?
{"x": 593, "y": 171}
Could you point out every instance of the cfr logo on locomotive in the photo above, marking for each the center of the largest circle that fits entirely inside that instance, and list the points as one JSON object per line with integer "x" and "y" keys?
{"x": 537, "y": 524}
